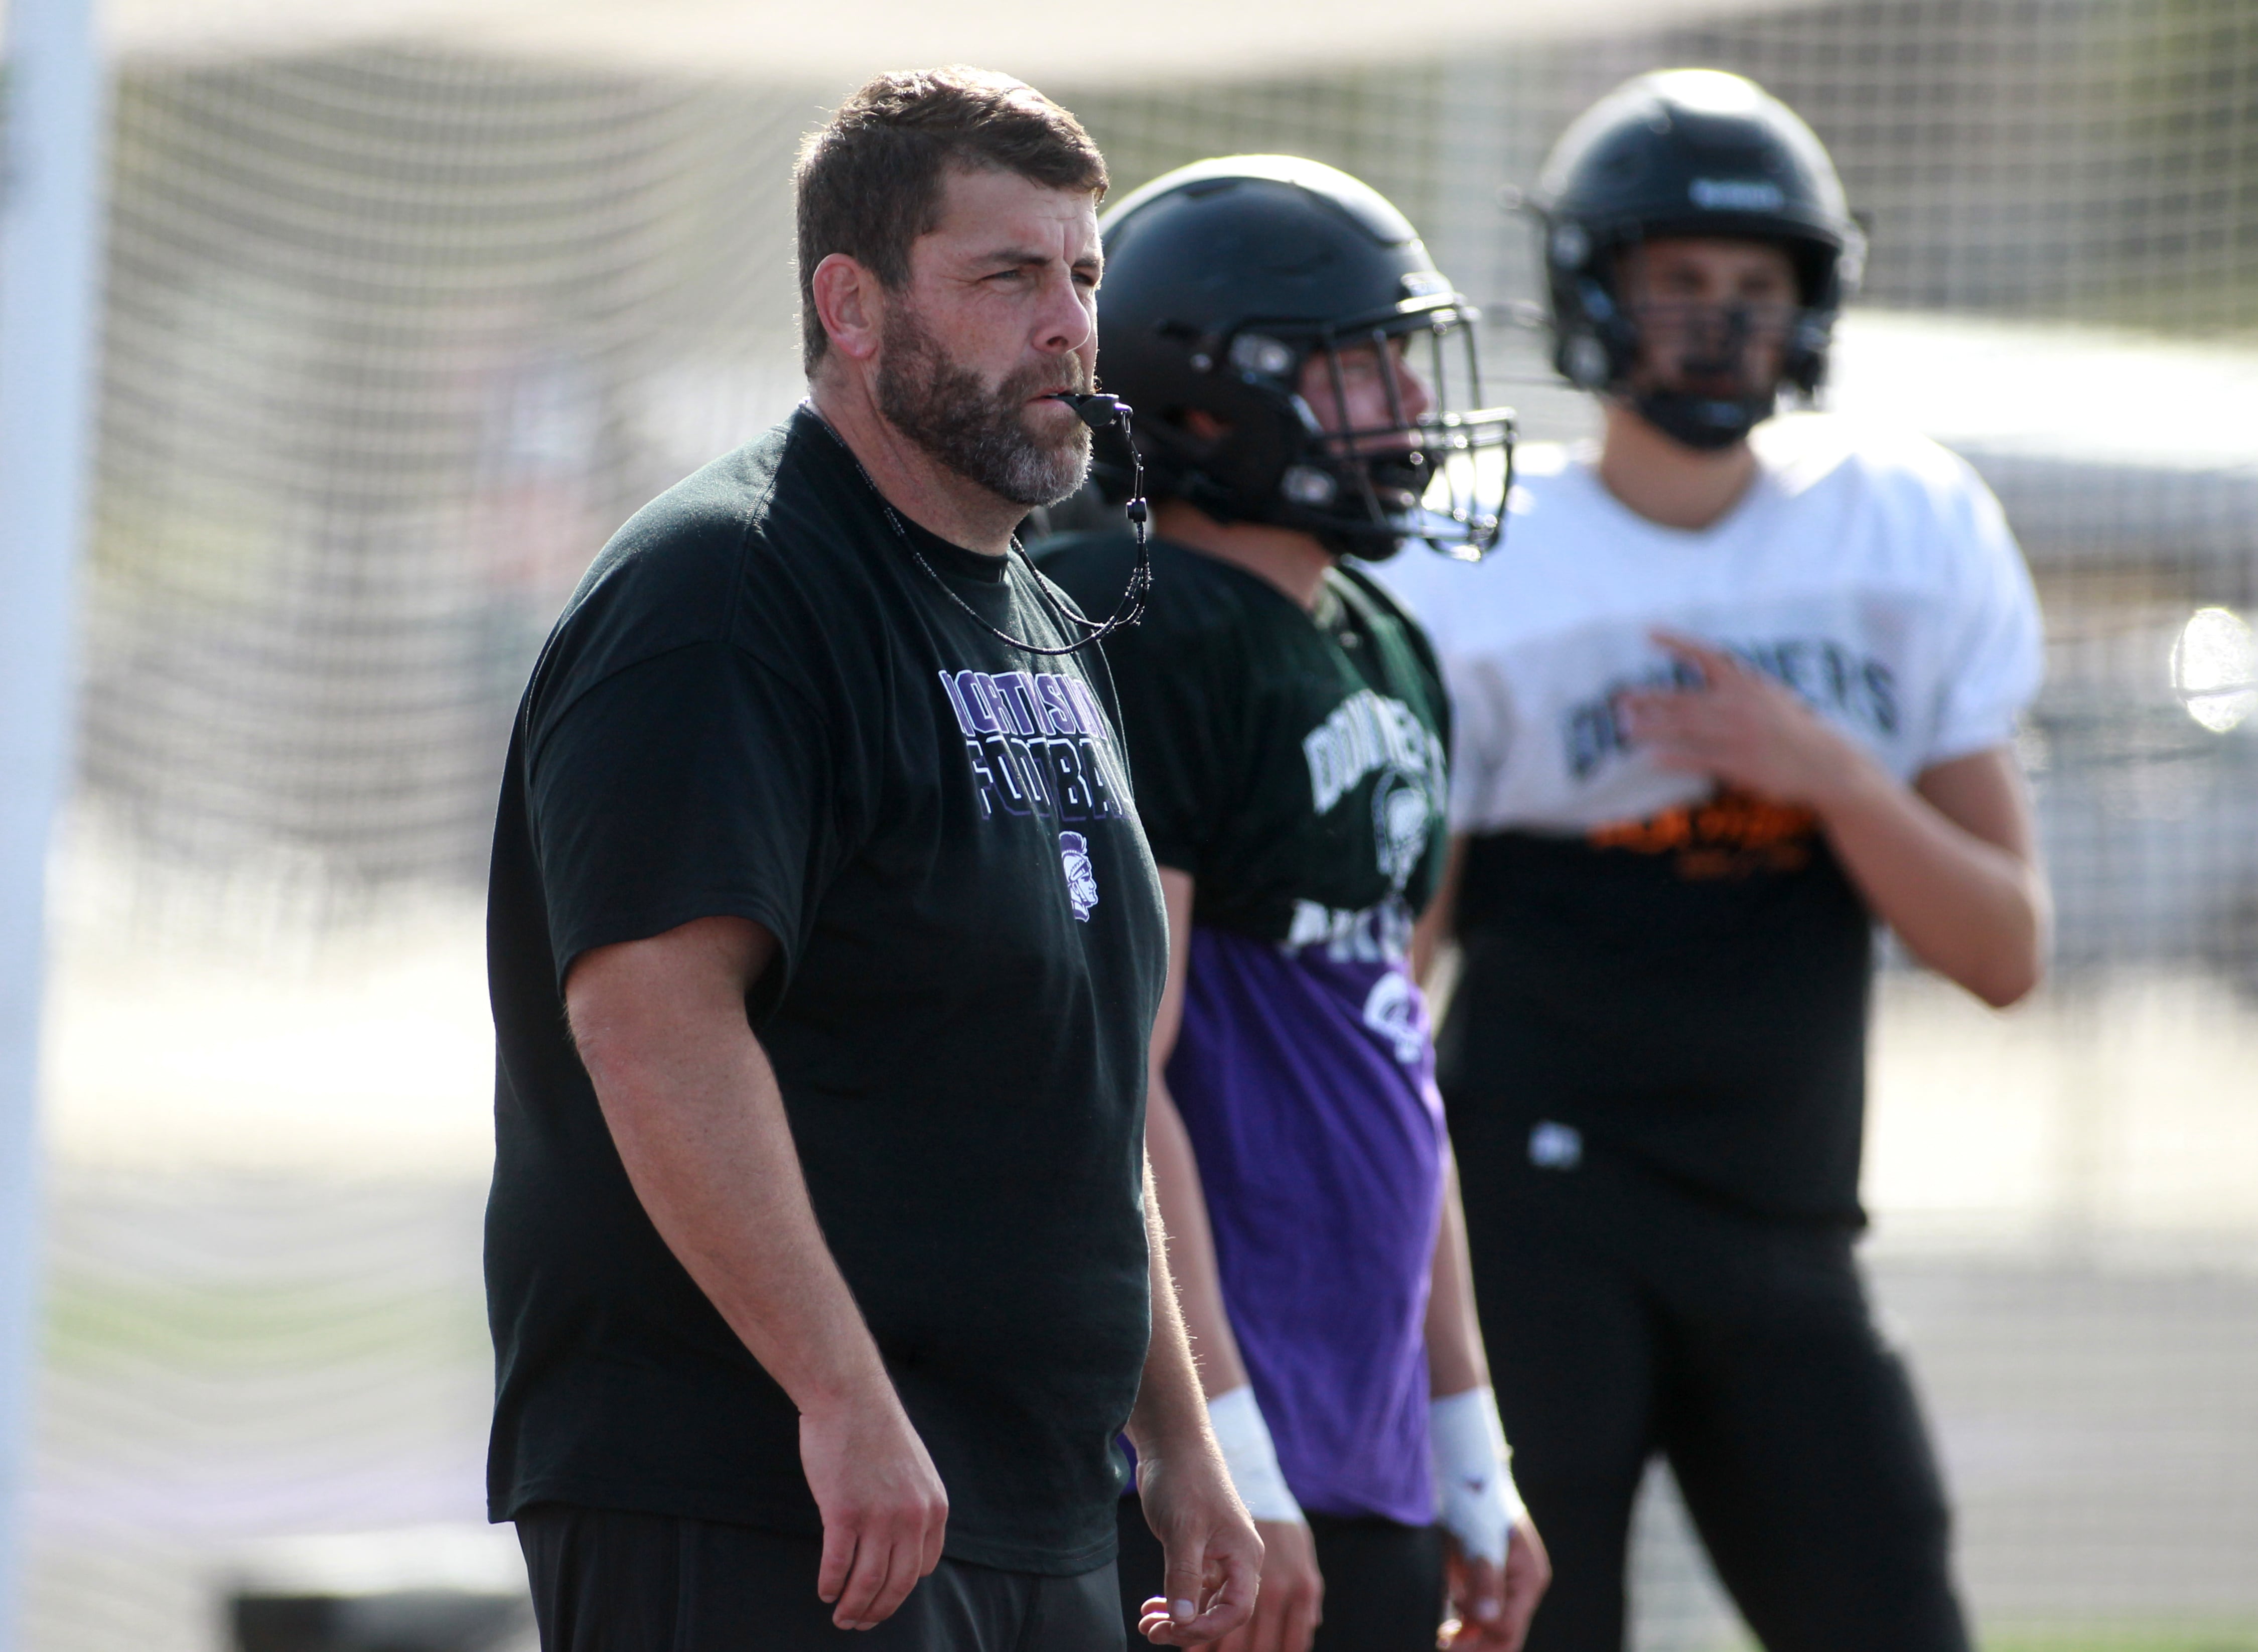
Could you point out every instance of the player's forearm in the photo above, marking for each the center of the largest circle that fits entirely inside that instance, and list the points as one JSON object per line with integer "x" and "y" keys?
{"x": 1970, "y": 909}
{"x": 700, "y": 1124}
{"x": 1170, "y": 1415}
{"x": 1178, "y": 1203}
{"x": 1455, "y": 1359}
{"x": 1181, "y": 1205}
{"x": 1479, "y": 1506}
{"x": 1437, "y": 925}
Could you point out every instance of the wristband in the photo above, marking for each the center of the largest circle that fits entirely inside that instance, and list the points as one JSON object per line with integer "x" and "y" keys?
{"x": 1251, "y": 1457}
{"x": 1475, "y": 1499}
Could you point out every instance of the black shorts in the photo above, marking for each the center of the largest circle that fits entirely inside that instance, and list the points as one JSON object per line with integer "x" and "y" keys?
{"x": 1627, "y": 1316}
{"x": 605, "y": 1580}
{"x": 1383, "y": 1581}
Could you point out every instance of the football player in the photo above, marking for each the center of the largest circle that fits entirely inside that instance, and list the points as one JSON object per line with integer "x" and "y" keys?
{"x": 1739, "y": 688}
{"x": 1288, "y": 347}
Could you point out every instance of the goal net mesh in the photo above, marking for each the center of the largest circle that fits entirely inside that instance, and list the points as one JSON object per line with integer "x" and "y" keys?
{"x": 396, "y": 337}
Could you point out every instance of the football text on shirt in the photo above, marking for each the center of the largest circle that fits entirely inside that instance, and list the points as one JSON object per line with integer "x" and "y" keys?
{"x": 1825, "y": 673}
{"x": 1038, "y": 745}
{"x": 1379, "y": 934}
{"x": 1367, "y": 732}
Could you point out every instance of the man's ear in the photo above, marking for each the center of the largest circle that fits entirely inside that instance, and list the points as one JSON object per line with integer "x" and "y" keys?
{"x": 851, "y": 305}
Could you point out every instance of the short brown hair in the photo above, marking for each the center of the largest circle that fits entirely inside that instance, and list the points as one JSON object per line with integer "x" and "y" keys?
{"x": 870, "y": 182}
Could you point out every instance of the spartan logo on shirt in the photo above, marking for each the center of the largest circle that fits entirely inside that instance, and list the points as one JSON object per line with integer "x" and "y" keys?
{"x": 1038, "y": 745}
{"x": 1370, "y": 733}
{"x": 1391, "y": 1009}
{"x": 1081, "y": 876}
{"x": 1858, "y": 689}
{"x": 1403, "y": 812}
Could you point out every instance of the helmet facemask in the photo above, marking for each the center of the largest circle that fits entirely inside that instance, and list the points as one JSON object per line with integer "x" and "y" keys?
{"x": 1727, "y": 373}
{"x": 1334, "y": 446}
{"x": 1259, "y": 312}
{"x": 1729, "y": 359}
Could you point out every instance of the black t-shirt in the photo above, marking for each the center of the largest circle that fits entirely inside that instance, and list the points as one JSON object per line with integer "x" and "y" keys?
{"x": 1292, "y": 763}
{"x": 757, "y": 704}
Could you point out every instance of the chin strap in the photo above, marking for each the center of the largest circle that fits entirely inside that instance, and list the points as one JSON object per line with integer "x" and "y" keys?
{"x": 1706, "y": 423}
{"x": 1711, "y": 423}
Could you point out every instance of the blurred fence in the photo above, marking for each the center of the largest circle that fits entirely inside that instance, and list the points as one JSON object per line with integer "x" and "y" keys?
{"x": 395, "y": 339}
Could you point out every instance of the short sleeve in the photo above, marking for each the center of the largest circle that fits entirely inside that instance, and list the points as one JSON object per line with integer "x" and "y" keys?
{"x": 1177, "y": 758}
{"x": 1994, "y": 658}
{"x": 1437, "y": 595}
{"x": 1482, "y": 733}
{"x": 691, "y": 785}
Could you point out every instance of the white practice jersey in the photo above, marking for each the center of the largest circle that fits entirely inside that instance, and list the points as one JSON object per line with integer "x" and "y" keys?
{"x": 1870, "y": 570}
{"x": 1653, "y": 967}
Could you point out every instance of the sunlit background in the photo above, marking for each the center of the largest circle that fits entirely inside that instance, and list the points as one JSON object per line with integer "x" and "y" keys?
{"x": 409, "y": 305}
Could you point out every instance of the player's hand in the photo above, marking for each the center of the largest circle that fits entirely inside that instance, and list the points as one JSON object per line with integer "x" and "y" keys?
{"x": 1291, "y": 1604}
{"x": 884, "y": 1509}
{"x": 1744, "y": 729}
{"x": 1214, "y": 1556}
{"x": 1491, "y": 1610}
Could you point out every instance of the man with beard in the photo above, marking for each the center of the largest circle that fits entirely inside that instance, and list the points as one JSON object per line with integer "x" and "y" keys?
{"x": 1739, "y": 687}
{"x": 824, "y": 946}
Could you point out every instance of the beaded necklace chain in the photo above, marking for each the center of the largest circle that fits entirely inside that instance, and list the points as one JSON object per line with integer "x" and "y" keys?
{"x": 1098, "y": 412}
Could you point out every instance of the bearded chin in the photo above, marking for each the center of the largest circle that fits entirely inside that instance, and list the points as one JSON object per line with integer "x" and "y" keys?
{"x": 975, "y": 431}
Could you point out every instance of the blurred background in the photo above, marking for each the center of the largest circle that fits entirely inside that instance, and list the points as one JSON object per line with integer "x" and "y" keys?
{"x": 409, "y": 305}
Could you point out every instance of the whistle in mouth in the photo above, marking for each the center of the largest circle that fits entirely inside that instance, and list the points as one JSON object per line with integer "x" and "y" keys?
{"x": 1098, "y": 411}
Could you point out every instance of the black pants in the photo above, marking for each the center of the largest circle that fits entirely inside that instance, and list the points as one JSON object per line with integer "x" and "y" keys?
{"x": 1383, "y": 1582}
{"x": 1627, "y": 1316}
{"x": 609, "y": 1581}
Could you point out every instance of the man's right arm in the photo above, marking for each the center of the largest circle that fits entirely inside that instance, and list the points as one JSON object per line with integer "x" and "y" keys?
{"x": 693, "y": 1107}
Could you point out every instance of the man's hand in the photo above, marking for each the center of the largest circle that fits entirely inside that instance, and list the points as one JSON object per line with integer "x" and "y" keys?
{"x": 1291, "y": 1604}
{"x": 1750, "y": 732}
{"x": 883, "y": 1507}
{"x": 1214, "y": 1556}
{"x": 1950, "y": 863}
{"x": 1490, "y": 1612}
{"x": 696, "y": 1113}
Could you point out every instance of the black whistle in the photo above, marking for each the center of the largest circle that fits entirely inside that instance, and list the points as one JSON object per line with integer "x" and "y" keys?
{"x": 1098, "y": 411}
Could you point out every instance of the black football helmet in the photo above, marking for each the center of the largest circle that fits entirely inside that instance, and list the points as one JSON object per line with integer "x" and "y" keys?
{"x": 1690, "y": 152}
{"x": 1224, "y": 281}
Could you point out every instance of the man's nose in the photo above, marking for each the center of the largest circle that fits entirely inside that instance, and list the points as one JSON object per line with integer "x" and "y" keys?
{"x": 1418, "y": 400}
{"x": 1065, "y": 323}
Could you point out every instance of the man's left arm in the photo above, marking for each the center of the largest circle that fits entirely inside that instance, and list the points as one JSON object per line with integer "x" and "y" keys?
{"x": 1950, "y": 862}
{"x": 1214, "y": 1556}
{"x": 1498, "y": 1567}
